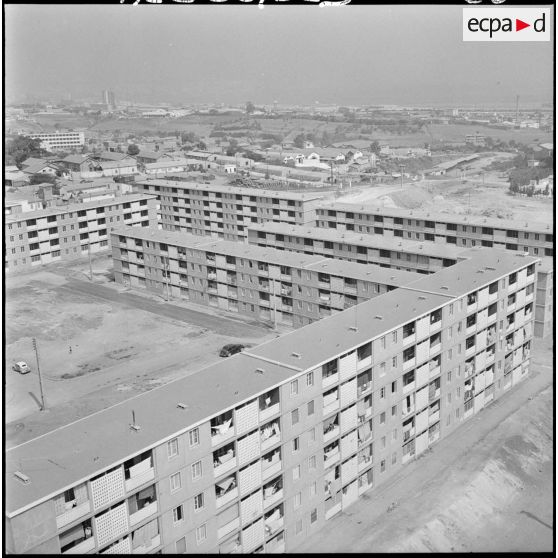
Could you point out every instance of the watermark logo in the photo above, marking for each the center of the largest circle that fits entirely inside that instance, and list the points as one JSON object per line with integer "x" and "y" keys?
{"x": 506, "y": 24}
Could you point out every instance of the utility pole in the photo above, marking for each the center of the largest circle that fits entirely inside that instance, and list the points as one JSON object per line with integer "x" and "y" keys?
{"x": 36, "y": 349}
{"x": 90, "y": 266}
{"x": 167, "y": 273}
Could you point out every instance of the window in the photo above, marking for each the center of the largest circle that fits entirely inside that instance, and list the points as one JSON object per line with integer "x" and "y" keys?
{"x": 297, "y": 500}
{"x": 393, "y": 458}
{"x": 194, "y": 437}
{"x": 175, "y": 482}
{"x": 449, "y": 376}
{"x": 312, "y": 462}
{"x": 313, "y": 489}
{"x": 383, "y": 342}
{"x": 201, "y": 533}
{"x": 296, "y": 444}
{"x": 382, "y": 465}
{"x": 198, "y": 502}
{"x": 298, "y": 527}
{"x": 382, "y": 393}
{"x": 310, "y": 378}
{"x": 197, "y": 470}
{"x": 314, "y": 515}
{"x": 177, "y": 514}
{"x": 311, "y": 408}
{"x": 296, "y": 472}
{"x": 394, "y": 410}
{"x": 172, "y": 448}
{"x": 382, "y": 369}
{"x": 294, "y": 417}
{"x": 393, "y": 386}
{"x": 394, "y": 362}
{"x": 382, "y": 418}
{"x": 181, "y": 546}
{"x": 294, "y": 387}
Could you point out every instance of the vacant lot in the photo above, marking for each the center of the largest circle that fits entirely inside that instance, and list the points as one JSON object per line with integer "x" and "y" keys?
{"x": 98, "y": 346}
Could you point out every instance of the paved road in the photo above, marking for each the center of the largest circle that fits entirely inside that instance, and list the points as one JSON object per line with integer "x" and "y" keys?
{"x": 419, "y": 489}
{"x": 218, "y": 324}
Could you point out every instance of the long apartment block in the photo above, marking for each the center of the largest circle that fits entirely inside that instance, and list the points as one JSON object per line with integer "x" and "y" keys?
{"x": 460, "y": 230}
{"x": 226, "y": 211}
{"x": 263, "y": 283}
{"x": 258, "y": 451}
{"x": 71, "y": 231}
{"x": 394, "y": 253}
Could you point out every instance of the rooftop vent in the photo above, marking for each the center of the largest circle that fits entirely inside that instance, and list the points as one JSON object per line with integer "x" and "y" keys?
{"x": 135, "y": 427}
{"x": 182, "y": 406}
{"x": 378, "y": 317}
{"x": 422, "y": 297}
{"x": 444, "y": 288}
{"x": 296, "y": 355}
{"x": 353, "y": 328}
{"x": 480, "y": 270}
{"x": 22, "y": 477}
{"x": 259, "y": 371}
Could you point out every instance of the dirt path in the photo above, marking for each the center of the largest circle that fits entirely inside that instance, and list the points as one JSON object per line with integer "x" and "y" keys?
{"x": 488, "y": 488}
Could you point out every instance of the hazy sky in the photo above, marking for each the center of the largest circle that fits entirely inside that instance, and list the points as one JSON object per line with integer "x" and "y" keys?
{"x": 293, "y": 54}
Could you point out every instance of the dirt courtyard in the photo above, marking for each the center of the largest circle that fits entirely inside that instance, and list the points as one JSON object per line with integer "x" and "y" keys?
{"x": 94, "y": 352}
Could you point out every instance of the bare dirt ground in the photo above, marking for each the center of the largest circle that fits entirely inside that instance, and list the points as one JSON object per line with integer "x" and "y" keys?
{"x": 121, "y": 344}
{"x": 487, "y": 488}
{"x": 479, "y": 192}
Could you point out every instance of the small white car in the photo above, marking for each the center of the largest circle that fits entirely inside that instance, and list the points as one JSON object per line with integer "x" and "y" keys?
{"x": 22, "y": 367}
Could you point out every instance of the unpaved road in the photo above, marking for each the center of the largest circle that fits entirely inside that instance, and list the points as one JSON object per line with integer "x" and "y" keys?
{"x": 487, "y": 488}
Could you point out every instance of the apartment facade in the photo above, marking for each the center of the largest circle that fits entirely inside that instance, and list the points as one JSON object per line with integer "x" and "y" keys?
{"x": 60, "y": 141}
{"x": 226, "y": 211}
{"x": 71, "y": 231}
{"x": 463, "y": 231}
{"x": 266, "y": 284}
{"x": 419, "y": 257}
{"x": 255, "y": 453}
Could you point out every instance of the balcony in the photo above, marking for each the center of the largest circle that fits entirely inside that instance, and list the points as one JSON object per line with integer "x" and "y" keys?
{"x": 471, "y": 329}
{"x": 138, "y": 472}
{"x": 435, "y": 326}
{"x": 273, "y": 492}
{"x": 276, "y": 545}
{"x": 330, "y": 404}
{"x": 410, "y": 339}
{"x": 364, "y": 462}
{"x": 471, "y": 350}
{"x": 87, "y": 545}
{"x": 145, "y": 512}
{"x": 270, "y": 435}
{"x": 408, "y": 434}
{"x": 224, "y": 462}
{"x": 274, "y": 521}
{"x": 331, "y": 432}
{"x": 409, "y": 387}
{"x": 73, "y": 512}
{"x": 269, "y": 405}
{"x": 145, "y": 548}
{"x": 228, "y": 528}
{"x": 434, "y": 417}
{"x": 331, "y": 457}
{"x": 226, "y": 491}
{"x": 330, "y": 380}
{"x": 271, "y": 465}
{"x": 336, "y": 508}
{"x": 222, "y": 429}
{"x": 212, "y": 276}
{"x": 408, "y": 364}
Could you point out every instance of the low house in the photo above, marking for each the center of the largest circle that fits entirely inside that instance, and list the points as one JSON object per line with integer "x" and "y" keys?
{"x": 146, "y": 157}
{"x": 112, "y": 156}
{"x": 51, "y": 169}
{"x": 13, "y": 177}
{"x": 169, "y": 166}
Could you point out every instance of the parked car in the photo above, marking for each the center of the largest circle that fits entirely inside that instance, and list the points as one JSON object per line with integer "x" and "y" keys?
{"x": 231, "y": 349}
{"x": 22, "y": 367}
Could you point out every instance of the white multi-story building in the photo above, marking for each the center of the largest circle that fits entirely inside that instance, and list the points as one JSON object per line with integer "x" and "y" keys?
{"x": 61, "y": 141}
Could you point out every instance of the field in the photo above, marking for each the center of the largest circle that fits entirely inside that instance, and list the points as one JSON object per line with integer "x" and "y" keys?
{"x": 99, "y": 345}
{"x": 202, "y": 125}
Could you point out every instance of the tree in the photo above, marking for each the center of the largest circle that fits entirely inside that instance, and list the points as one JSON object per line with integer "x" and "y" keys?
{"x": 201, "y": 145}
{"x": 23, "y": 147}
{"x": 250, "y": 108}
{"x": 233, "y": 148}
{"x": 133, "y": 149}
{"x": 299, "y": 141}
{"x": 188, "y": 137}
{"x": 375, "y": 147}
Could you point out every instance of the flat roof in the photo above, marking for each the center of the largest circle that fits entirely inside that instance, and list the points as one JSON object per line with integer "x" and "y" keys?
{"x": 72, "y": 454}
{"x": 474, "y": 220}
{"x": 299, "y": 196}
{"x": 481, "y": 266}
{"x": 60, "y": 209}
{"x": 366, "y": 272}
{"x": 374, "y": 241}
